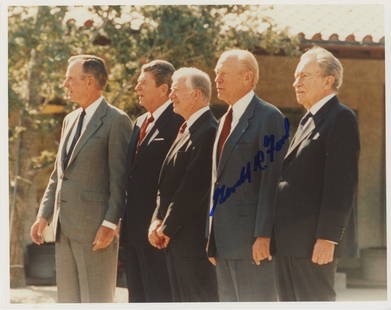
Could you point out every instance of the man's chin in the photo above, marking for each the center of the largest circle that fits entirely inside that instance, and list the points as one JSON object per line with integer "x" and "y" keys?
{"x": 220, "y": 96}
{"x": 299, "y": 100}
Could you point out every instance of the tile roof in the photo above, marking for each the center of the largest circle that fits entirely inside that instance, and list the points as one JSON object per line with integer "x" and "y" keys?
{"x": 362, "y": 23}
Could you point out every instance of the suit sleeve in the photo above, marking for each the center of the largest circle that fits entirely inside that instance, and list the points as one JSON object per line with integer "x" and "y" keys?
{"x": 270, "y": 176}
{"x": 194, "y": 188}
{"x": 340, "y": 177}
{"x": 119, "y": 137}
{"x": 47, "y": 203}
{"x": 156, "y": 212}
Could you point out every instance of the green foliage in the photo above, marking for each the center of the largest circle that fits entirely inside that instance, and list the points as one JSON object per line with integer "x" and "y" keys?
{"x": 127, "y": 37}
{"x": 184, "y": 35}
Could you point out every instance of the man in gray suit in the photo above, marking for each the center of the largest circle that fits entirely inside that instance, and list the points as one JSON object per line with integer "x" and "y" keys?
{"x": 85, "y": 194}
{"x": 247, "y": 156}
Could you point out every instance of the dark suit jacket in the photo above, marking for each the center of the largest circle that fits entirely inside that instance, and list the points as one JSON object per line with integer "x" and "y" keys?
{"x": 248, "y": 211}
{"x": 143, "y": 173}
{"x": 318, "y": 183}
{"x": 184, "y": 187}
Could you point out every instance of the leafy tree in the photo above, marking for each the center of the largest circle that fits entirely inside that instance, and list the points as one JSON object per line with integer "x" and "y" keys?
{"x": 38, "y": 51}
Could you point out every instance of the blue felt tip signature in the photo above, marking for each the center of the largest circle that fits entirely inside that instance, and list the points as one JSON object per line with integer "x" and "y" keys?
{"x": 261, "y": 159}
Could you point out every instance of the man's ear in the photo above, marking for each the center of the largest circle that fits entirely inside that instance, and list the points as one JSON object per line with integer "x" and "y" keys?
{"x": 91, "y": 81}
{"x": 330, "y": 81}
{"x": 164, "y": 90}
{"x": 248, "y": 77}
{"x": 197, "y": 93}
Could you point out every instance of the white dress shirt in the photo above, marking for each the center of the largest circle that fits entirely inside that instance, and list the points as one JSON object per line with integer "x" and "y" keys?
{"x": 317, "y": 106}
{"x": 196, "y": 115}
{"x": 238, "y": 109}
{"x": 90, "y": 110}
{"x": 156, "y": 114}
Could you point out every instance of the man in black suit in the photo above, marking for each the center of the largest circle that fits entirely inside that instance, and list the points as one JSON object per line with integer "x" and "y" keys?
{"x": 179, "y": 220}
{"x": 318, "y": 183}
{"x": 153, "y": 135}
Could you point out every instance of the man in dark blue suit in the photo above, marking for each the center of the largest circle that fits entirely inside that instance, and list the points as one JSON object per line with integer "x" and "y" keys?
{"x": 247, "y": 157}
{"x": 153, "y": 134}
{"x": 183, "y": 191}
{"x": 318, "y": 183}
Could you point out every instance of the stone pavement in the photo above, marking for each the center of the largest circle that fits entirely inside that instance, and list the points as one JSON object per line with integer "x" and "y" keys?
{"x": 47, "y": 294}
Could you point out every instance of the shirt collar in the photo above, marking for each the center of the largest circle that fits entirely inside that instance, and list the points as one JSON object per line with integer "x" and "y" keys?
{"x": 240, "y": 106}
{"x": 196, "y": 115}
{"x": 159, "y": 111}
{"x": 317, "y": 106}
{"x": 93, "y": 106}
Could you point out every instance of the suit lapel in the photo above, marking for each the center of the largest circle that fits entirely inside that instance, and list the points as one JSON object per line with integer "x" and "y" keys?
{"x": 178, "y": 143}
{"x": 95, "y": 122}
{"x": 161, "y": 121}
{"x": 63, "y": 146}
{"x": 310, "y": 126}
{"x": 133, "y": 145}
{"x": 204, "y": 117}
{"x": 135, "y": 136}
{"x": 234, "y": 137}
{"x": 143, "y": 144}
{"x": 314, "y": 123}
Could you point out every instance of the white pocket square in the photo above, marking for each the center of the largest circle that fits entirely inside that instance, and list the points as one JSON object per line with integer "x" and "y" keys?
{"x": 316, "y": 136}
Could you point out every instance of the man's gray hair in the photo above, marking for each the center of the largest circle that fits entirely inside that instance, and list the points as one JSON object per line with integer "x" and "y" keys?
{"x": 328, "y": 63}
{"x": 93, "y": 65}
{"x": 196, "y": 79}
{"x": 247, "y": 59}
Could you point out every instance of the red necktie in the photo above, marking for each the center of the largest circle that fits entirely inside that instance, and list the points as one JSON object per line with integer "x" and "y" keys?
{"x": 224, "y": 133}
{"x": 143, "y": 130}
{"x": 181, "y": 131}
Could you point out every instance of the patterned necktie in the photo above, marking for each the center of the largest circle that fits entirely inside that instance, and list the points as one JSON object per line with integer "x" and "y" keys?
{"x": 75, "y": 138}
{"x": 181, "y": 131}
{"x": 301, "y": 126}
{"x": 224, "y": 133}
{"x": 143, "y": 130}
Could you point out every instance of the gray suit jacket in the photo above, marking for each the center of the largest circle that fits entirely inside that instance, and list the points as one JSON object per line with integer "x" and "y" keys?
{"x": 245, "y": 180}
{"x": 91, "y": 188}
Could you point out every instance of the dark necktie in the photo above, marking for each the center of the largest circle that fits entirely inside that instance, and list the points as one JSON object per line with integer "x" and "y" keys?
{"x": 224, "y": 134}
{"x": 143, "y": 130}
{"x": 300, "y": 128}
{"x": 75, "y": 138}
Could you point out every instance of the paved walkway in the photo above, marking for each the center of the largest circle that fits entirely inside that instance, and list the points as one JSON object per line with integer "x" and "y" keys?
{"x": 47, "y": 294}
